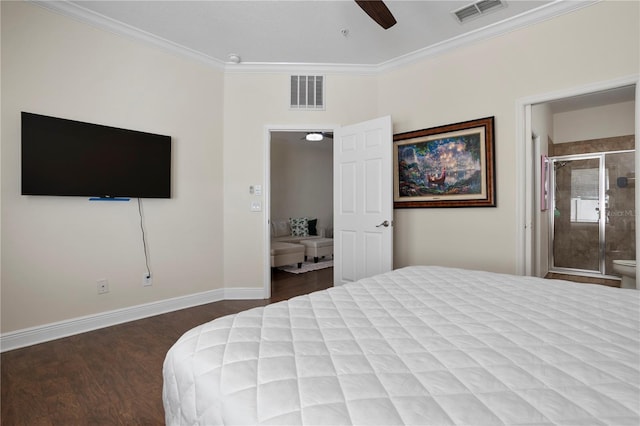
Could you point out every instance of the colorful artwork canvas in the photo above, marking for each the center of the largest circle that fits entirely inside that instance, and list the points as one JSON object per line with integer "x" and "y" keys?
{"x": 444, "y": 167}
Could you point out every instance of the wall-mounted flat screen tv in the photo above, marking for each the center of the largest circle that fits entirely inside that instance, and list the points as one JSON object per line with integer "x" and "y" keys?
{"x": 73, "y": 158}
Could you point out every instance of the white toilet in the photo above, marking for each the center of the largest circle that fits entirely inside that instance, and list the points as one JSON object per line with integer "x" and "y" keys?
{"x": 626, "y": 268}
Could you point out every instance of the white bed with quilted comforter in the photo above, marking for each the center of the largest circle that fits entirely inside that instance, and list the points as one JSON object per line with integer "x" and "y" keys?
{"x": 419, "y": 345}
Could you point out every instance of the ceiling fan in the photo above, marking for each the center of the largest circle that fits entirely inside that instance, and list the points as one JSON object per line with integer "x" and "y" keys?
{"x": 378, "y": 11}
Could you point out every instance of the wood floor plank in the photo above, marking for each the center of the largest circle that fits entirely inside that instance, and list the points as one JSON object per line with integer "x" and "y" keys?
{"x": 113, "y": 376}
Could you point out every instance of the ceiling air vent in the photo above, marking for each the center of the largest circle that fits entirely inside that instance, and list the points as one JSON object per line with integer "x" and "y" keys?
{"x": 476, "y": 9}
{"x": 307, "y": 92}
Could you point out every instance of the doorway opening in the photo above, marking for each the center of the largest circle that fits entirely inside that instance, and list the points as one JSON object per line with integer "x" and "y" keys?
{"x": 298, "y": 184}
{"x": 361, "y": 200}
{"x": 540, "y": 133}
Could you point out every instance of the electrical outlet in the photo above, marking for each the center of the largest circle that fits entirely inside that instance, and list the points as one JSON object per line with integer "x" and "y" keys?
{"x": 103, "y": 286}
{"x": 147, "y": 280}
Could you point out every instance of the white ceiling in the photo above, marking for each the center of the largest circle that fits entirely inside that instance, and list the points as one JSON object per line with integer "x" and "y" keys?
{"x": 306, "y": 32}
{"x": 311, "y": 33}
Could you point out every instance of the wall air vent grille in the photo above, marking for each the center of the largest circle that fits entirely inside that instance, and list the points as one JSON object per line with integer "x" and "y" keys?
{"x": 476, "y": 9}
{"x": 487, "y": 5}
{"x": 307, "y": 92}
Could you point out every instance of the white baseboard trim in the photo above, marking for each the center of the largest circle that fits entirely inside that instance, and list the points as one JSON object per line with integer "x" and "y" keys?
{"x": 243, "y": 293}
{"x": 44, "y": 333}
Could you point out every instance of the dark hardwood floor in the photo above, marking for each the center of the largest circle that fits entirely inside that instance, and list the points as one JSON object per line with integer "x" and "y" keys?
{"x": 113, "y": 376}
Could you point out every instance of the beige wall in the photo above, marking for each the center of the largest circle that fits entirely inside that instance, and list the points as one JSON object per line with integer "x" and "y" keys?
{"x": 595, "y": 123}
{"x": 253, "y": 101}
{"x": 597, "y": 43}
{"x": 55, "y": 248}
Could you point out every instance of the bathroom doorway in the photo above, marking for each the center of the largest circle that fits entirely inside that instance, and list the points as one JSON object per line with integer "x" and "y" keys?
{"x": 592, "y": 212}
{"x": 562, "y": 123}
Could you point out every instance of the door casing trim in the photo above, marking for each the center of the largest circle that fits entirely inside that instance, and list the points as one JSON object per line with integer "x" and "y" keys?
{"x": 266, "y": 189}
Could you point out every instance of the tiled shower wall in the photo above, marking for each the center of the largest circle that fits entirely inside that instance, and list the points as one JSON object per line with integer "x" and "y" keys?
{"x": 619, "y": 143}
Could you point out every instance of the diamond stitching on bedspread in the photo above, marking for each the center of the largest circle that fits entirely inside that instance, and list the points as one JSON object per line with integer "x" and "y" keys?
{"x": 385, "y": 349}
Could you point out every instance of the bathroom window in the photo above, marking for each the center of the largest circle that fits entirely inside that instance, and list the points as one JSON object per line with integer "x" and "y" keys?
{"x": 585, "y": 197}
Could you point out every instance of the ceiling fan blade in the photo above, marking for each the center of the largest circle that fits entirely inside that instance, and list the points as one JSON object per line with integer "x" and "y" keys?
{"x": 378, "y": 11}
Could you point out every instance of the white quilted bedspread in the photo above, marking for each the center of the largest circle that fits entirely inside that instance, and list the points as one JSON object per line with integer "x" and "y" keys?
{"x": 419, "y": 345}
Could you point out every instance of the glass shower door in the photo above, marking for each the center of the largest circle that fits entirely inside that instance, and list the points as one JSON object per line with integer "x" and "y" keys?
{"x": 577, "y": 204}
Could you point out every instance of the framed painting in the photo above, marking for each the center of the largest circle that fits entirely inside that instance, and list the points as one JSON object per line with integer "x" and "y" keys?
{"x": 446, "y": 166}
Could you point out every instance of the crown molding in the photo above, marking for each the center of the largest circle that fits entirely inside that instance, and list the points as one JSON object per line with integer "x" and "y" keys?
{"x": 97, "y": 20}
{"x": 302, "y": 68}
{"x": 542, "y": 13}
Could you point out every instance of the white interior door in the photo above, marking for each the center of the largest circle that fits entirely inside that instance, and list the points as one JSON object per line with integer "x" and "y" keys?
{"x": 363, "y": 200}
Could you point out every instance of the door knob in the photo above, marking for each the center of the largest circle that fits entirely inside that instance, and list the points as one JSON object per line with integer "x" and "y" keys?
{"x": 385, "y": 224}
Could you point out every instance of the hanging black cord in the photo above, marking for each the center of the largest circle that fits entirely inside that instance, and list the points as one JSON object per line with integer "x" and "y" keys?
{"x": 144, "y": 240}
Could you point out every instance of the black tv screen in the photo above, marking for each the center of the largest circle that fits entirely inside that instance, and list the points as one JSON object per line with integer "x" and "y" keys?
{"x": 67, "y": 157}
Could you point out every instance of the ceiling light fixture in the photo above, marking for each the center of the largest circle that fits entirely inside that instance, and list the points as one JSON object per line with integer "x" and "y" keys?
{"x": 234, "y": 58}
{"x": 314, "y": 137}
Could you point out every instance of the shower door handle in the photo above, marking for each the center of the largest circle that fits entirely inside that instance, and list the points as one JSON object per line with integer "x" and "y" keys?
{"x": 600, "y": 213}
